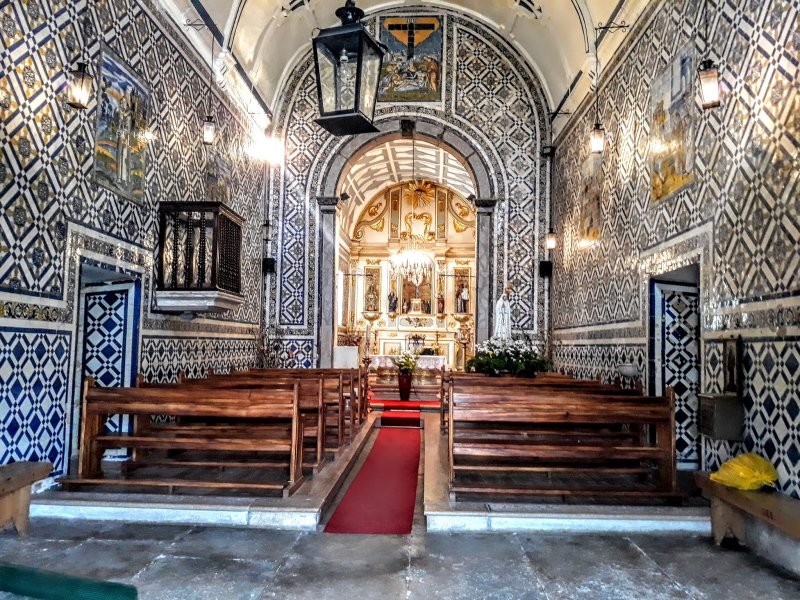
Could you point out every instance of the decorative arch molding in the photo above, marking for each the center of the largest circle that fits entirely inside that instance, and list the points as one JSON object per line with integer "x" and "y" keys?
{"x": 493, "y": 114}
{"x": 434, "y": 131}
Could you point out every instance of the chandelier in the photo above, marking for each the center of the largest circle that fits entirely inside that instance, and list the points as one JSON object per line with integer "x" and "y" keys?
{"x": 412, "y": 263}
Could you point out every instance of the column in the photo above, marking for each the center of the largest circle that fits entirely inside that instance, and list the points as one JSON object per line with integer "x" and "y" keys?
{"x": 327, "y": 280}
{"x": 484, "y": 264}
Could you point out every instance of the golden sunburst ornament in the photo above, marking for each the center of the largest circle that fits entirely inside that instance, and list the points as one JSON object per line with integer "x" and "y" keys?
{"x": 420, "y": 193}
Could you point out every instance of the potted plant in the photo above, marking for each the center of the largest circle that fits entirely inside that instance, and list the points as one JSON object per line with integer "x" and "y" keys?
{"x": 513, "y": 357}
{"x": 406, "y": 365}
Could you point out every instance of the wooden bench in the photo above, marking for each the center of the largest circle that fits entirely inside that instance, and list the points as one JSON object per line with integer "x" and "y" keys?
{"x": 269, "y": 423}
{"x": 340, "y": 395}
{"x": 730, "y": 506}
{"x": 553, "y": 381}
{"x": 311, "y": 391}
{"x": 535, "y": 430}
{"x": 16, "y": 480}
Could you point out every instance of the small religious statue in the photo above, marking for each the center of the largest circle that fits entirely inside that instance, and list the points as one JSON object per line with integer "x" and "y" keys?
{"x": 440, "y": 304}
{"x": 462, "y": 299}
{"x": 371, "y": 300}
{"x": 392, "y": 301}
{"x": 405, "y": 307}
{"x": 502, "y": 316}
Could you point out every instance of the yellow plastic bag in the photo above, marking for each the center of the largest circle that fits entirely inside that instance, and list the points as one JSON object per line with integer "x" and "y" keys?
{"x": 746, "y": 472}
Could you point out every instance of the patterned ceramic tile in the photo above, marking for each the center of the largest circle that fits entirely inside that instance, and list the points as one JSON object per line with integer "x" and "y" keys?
{"x": 739, "y": 219}
{"x": 53, "y": 214}
{"x": 491, "y": 98}
{"x": 34, "y": 375}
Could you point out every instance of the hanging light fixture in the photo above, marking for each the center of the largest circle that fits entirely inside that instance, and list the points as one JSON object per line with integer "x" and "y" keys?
{"x": 597, "y": 139}
{"x": 210, "y": 124}
{"x": 412, "y": 263}
{"x": 209, "y": 130}
{"x": 551, "y": 241}
{"x": 708, "y": 73}
{"x": 348, "y": 63}
{"x": 79, "y": 89}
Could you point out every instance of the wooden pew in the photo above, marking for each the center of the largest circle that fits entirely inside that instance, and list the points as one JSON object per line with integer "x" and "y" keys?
{"x": 340, "y": 395}
{"x": 16, "y": 480}
{"x": 513, "y": 430}
{"x": 269, "y": 423}
{"x": 312, "y": 409}
{"x": 554, "y": 381}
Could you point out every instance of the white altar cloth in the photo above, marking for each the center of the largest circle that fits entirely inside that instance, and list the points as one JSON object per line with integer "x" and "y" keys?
{"x": 426, "y": 363}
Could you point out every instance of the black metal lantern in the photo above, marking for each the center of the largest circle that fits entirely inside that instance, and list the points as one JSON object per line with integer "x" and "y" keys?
{"x": 79, "y": 90}
{"x": 708, "y": 75}
{"x": 348, "y": 62}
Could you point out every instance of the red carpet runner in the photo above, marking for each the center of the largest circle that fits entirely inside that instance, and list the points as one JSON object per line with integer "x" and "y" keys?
{"x": 405, "y": 418}
{"x": 381, "y": 498}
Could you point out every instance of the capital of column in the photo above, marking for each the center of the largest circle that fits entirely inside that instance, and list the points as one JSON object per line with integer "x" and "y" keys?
{"x": 484, "y": 205}
{"x": 327, "y": 204}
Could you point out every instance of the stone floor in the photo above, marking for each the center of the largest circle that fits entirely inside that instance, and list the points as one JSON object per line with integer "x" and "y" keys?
{"x": 186, "y": 563}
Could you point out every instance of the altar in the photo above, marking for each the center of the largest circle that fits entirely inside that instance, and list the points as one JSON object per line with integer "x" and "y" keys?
{"x": 424, "y": 363}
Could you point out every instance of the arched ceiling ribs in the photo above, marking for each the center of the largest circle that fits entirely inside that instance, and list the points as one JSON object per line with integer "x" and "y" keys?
{"x": 583, "y": 14}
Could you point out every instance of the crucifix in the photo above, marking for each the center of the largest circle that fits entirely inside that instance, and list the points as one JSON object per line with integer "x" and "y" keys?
{"x": 410, "y": 29}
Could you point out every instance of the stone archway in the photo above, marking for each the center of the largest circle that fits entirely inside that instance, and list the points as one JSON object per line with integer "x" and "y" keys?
{"x": 493, "y": 113}
{"x": 348, "y": 152}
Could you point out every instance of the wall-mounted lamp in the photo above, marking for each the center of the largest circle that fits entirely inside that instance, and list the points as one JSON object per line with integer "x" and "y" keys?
{"x": 209, "y": 130}
{"x": 551, "y": 241}
{"x": 597, "y": 139}
{"x": 708, "y": 76}
{"x": 267, "y": 262}
{"x": 79, "y": 90}
{"x": 708, "y": 73}
{"x": 210, "y": 124}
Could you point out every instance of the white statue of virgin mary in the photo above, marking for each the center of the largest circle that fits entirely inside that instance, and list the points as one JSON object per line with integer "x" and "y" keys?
{"x": 502, "y": 316}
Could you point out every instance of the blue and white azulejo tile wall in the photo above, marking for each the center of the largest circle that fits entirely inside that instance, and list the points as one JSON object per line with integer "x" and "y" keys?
{"x": 55, "y": 216}
{"x": 738, "y": 219}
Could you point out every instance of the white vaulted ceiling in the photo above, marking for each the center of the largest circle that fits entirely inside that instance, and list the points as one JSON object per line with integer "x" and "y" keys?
{"x": 393, "y": 162}
{"x": 267, "y": 37}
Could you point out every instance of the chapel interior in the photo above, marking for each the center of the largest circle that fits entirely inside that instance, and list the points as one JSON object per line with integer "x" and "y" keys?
{"x": 324, "y": 298}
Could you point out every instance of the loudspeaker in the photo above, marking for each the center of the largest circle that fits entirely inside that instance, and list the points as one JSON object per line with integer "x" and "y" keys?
{"x": 267, "y": 265}
{"x": 546, "y": 269}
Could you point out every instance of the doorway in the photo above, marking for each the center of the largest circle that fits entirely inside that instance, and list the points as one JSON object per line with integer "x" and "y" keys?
{"x": 674, "y": 354}
{"x": 107, "y": 338}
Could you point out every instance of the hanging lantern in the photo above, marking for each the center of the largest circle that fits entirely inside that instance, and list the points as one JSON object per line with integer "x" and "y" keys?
{"x": 348, "y": 62}
{"x": 708, "y": 74}
{"x": 209, "y": 130}
{"x": 597, "y": 140}
{"x": 79, "y": 90}
{"x": 551, "y": 241}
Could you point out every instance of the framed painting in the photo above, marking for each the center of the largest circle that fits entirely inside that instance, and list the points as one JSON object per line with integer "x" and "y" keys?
{"x": 372, "y": 289}
{"x": 121, "y": 132}
{"x": 672, "y": 127}
{"x": 590, "y": 198}
{"x": 412, "y": 68}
